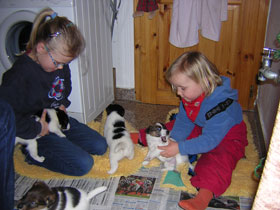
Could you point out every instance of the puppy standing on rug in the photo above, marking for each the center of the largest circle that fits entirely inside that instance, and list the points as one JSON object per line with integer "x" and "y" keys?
{"x": 158, "y": 135}
{"x": 41, "y": 196}
{"x": 58, "y": 121}
{"x": 117, "y": 136}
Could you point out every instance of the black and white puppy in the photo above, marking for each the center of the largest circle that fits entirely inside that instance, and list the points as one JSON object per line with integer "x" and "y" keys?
{"x": 58, "y": 121}
{"x": 117, "y": 136}
{"x": 158, "y": 135}
{"x": 41, "y": 196}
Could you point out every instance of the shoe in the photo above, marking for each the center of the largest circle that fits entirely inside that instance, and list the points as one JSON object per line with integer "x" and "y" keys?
{"x": 199, "y": 202}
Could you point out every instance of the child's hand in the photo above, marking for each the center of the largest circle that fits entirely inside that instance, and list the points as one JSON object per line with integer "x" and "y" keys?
{"x": 44, "y": 124}
{"x": 170, "y": 150}
{"x": 63, "y": 108}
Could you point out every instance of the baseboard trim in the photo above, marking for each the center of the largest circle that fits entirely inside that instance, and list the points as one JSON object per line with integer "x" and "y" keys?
{"x": 125, "y": 94}
{"x": 259, "y": 131}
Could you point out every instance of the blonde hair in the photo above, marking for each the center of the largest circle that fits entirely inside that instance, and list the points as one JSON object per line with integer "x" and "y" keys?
{"x": 58, "y": 33}
{"x": 198, "y": 68}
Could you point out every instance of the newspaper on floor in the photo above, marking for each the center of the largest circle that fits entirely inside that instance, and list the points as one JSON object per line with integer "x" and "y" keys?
{"x": 138, "y": 191}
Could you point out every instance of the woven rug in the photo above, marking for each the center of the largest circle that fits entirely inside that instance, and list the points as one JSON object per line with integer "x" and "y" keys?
{"x": 101, "y": 163}
{"x": 242, "y": 183}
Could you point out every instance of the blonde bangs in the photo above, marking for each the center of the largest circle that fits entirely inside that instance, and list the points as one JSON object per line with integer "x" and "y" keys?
{"x": 198, "y": 68}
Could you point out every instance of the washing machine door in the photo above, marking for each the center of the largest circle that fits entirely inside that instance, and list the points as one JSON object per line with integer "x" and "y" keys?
{"x": 14, "y": 34}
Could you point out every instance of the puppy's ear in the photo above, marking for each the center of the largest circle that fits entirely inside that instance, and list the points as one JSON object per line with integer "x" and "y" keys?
{"x": 120, "y": 110}
{"x": 115, "y": 107}
{"x": 40, "y": 184}
{"x": 162, "y": 124}
{"x": 50, "y": 199}
{"x": 110, "y": 108}
{"x": 148, "y": 130}
{"x": 63, "y": 119}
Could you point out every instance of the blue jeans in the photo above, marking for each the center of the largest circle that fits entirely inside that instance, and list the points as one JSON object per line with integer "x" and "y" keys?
{"x": 70, "y": 155}
{"x": 7, "y": 142}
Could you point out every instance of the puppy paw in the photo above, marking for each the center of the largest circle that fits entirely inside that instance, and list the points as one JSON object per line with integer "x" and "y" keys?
{"x": 168, "y": 169}
{"x": 61, "y": 135}
{"x": 113, "y": 170}
{"x": 130, "y": 157}
{"x": 145, "y": 162}
{"x": 40, "y": 159}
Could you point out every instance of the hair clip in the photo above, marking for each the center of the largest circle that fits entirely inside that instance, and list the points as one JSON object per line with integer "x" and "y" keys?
{"x": 69, "y": 24}
{"x": 53, "y": 15}
{"x": 55, "y": 34}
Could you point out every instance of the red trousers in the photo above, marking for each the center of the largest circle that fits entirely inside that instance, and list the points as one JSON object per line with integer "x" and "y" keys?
{"x": 214, "y": 168}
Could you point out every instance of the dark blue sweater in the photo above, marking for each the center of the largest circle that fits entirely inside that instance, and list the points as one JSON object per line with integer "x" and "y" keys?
{"x": 28, "y": 88}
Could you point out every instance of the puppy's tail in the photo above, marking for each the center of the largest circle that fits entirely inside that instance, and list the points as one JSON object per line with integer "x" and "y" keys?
{"x": 120, "y": 147}
{"x": 96, "y": 191}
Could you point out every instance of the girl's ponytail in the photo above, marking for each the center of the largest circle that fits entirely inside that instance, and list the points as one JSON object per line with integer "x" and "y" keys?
{"x": 38, "y": 21}
{"x": 58, "y": 33}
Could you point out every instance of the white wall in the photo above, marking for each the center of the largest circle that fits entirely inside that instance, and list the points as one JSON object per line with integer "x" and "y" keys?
{"x": 95, "y": 63}
{"x": 123, "y": 46}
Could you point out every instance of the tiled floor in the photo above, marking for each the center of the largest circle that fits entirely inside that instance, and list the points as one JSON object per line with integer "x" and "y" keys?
{"x": 142, "y": 115}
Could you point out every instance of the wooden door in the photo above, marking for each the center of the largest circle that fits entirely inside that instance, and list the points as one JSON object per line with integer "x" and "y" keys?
{"x": 237, "y": 54}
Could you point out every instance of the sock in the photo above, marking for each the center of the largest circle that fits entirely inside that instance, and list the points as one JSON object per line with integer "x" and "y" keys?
{"x": 199, "y": 202}
{"x": 134, "y": 137}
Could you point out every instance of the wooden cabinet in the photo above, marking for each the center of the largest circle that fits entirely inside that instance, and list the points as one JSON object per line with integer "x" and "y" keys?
{"x": 237, "y": 54}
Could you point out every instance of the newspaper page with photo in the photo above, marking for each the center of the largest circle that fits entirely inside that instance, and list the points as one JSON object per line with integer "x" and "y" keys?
{"x": 138, "y": 191}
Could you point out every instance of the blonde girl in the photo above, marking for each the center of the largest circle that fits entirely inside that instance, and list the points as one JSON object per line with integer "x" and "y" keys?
{"x": 41, "y": 78}
{"x": 209, "y": 123}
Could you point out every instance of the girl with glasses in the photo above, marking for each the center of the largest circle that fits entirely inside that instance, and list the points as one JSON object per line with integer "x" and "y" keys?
{"x": 40, "y": 78}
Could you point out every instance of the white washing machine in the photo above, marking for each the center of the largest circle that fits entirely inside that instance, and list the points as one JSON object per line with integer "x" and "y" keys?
{"x": 16, "y": 17}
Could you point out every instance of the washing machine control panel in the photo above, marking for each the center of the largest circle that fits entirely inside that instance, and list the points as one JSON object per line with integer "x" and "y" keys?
{"x": 35, "y": 3}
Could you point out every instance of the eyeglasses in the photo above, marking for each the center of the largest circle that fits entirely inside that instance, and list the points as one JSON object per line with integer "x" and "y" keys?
{"x": 57, "y": 65}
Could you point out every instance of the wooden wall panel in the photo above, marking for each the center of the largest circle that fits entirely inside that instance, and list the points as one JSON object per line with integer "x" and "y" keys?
{"x": 237, "y": 54}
